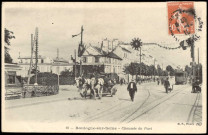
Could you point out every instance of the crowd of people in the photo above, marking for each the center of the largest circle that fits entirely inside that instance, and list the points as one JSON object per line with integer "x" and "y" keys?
{"x": 95, "y": 85}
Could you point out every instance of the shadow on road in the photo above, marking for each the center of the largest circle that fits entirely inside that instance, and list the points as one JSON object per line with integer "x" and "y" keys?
{"x": 124, "y": 99}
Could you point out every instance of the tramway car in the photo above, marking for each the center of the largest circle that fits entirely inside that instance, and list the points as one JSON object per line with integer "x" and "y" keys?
{"x": 180, "y": 77}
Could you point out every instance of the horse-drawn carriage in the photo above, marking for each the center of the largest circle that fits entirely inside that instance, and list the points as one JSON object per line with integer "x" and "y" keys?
{"x": 97, "y": 87}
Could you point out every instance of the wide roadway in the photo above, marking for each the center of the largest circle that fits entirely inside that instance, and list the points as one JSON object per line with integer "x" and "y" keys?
{"x": 151, "y": 104}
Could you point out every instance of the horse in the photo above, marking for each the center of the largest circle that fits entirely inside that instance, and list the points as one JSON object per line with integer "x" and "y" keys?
{"x": 93, "y": 82}
{"x": 99, "y": 87}
{"x": 86, "y": 88}
{"x": 79, "y": 83}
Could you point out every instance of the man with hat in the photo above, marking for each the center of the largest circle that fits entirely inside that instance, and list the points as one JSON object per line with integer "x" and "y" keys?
{"x": 132, "y": 88}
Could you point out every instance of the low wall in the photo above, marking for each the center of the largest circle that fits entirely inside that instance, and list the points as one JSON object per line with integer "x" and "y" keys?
{"x": 40, "y": 90}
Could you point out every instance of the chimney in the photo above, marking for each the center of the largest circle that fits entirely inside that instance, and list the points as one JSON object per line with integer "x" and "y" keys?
{"x": 114, "y": 43}
{"x": 105, "y": 44}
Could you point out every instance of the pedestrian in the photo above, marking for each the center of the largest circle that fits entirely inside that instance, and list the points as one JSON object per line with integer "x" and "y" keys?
{"x": 132, "y": 88}
{"x": 121, "y": 81}
{"x": 162, "y": 81}
{"x": 114, "y": 81}
{"x": 166, "y": 85}
{"x": 158, "y": 81}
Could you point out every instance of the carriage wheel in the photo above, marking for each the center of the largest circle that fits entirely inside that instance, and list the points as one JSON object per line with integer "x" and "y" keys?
{"x": 111, "y": 93}
{"x": 85, "y": 94}
{"x": 92, "y": 94}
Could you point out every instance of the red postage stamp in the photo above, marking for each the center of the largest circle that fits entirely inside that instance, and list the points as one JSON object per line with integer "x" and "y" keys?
{"x": 181, "y": 17}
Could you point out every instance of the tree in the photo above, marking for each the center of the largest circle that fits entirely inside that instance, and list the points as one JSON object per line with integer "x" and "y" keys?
{"x": 152, "y": 70}
{"x": 131, "y": 69}
{"x": 8, "y": 36}
{"x": 159, "y": 70}
{"x": 170, "y": 69}
{"x": 66, "y": 73}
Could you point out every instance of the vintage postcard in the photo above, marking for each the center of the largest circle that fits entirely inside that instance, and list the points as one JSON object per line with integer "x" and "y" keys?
{"x": 84, "y": 67}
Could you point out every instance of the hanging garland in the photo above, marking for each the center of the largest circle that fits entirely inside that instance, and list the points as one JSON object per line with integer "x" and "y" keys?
{"x": 168, "y": 48}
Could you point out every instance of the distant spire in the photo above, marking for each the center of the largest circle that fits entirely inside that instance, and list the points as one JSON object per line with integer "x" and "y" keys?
{"x": 101, "y": 45}
{"x": 19, "y": 54}
{"x": 57, "y": 53}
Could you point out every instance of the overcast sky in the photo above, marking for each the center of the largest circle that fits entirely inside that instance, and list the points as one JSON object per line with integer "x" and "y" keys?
{"x": 57, "y": 24}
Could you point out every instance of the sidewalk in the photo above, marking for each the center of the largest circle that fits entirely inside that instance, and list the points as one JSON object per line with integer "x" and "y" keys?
{"x": 65, "y": 92}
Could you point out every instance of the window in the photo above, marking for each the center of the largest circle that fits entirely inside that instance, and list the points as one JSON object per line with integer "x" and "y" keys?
{"x": 11, "y": 79}
{"x": 106, "y": 60}
{"x": 41, "y": 60}
{"x": 84, "y": 59}
{"x": 97, "y": 59}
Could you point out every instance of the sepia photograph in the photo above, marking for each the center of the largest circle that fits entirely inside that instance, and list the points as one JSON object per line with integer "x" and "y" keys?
{"x": 104, "y": 67}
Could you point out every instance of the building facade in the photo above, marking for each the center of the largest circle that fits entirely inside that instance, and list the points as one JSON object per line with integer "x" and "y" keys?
{"x": 12, "y": 73}
{"x": 45, "y": 64}
{"x": 110, "y": 56}
{"x": 97, "y": 57}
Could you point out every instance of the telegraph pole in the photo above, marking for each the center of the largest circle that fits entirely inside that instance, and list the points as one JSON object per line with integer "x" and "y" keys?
{"x": 75, "y": 64}
{"x": 31, "y": 60}
{"x": 154, "y": 69}
{"x": 140, "y": 62}
{"x": 193, "y": 64}
{"x": 198, "y": 63}
{"x": 36, "y": 55}
{"x": 80, "y": 56}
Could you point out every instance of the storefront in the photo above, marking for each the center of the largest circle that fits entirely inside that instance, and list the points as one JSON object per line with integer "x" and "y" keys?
{"x": 12, "y": 76}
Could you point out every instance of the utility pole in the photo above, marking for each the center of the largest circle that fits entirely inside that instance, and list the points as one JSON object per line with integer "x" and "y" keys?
{"x": 75, "y": 64}
{"x": 81, "y": 57}
{"x": 198, "y": 63}
{"x": 193, "y": 64}
{"x": 140, "y": 62}
{"x": 36, "y": 55}
{"x": 31, "y": 60}
{"x": 154, "y": 69}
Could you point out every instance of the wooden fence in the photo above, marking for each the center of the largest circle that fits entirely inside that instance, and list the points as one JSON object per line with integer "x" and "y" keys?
{"x": 40, "y": 90}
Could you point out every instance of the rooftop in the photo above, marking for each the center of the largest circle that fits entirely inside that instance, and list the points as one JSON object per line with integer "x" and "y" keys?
{"x": 110, "y": 54}
{"x": 29, "y": 57}
{"x": 62, "y": 60}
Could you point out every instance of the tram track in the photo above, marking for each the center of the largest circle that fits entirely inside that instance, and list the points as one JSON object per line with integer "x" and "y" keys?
{"x": 197, "y": 115}
{"x": 124, "y": 118}
{"x": 106, "y": 112}
{"x": 196, "y": 107}
{"x": 160, "y": 101}
{"x": 128, "y": 118}
{"x": 138, "y": 107}
{"x": 100, "y": 114}
{"x": 193, "y": 109}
